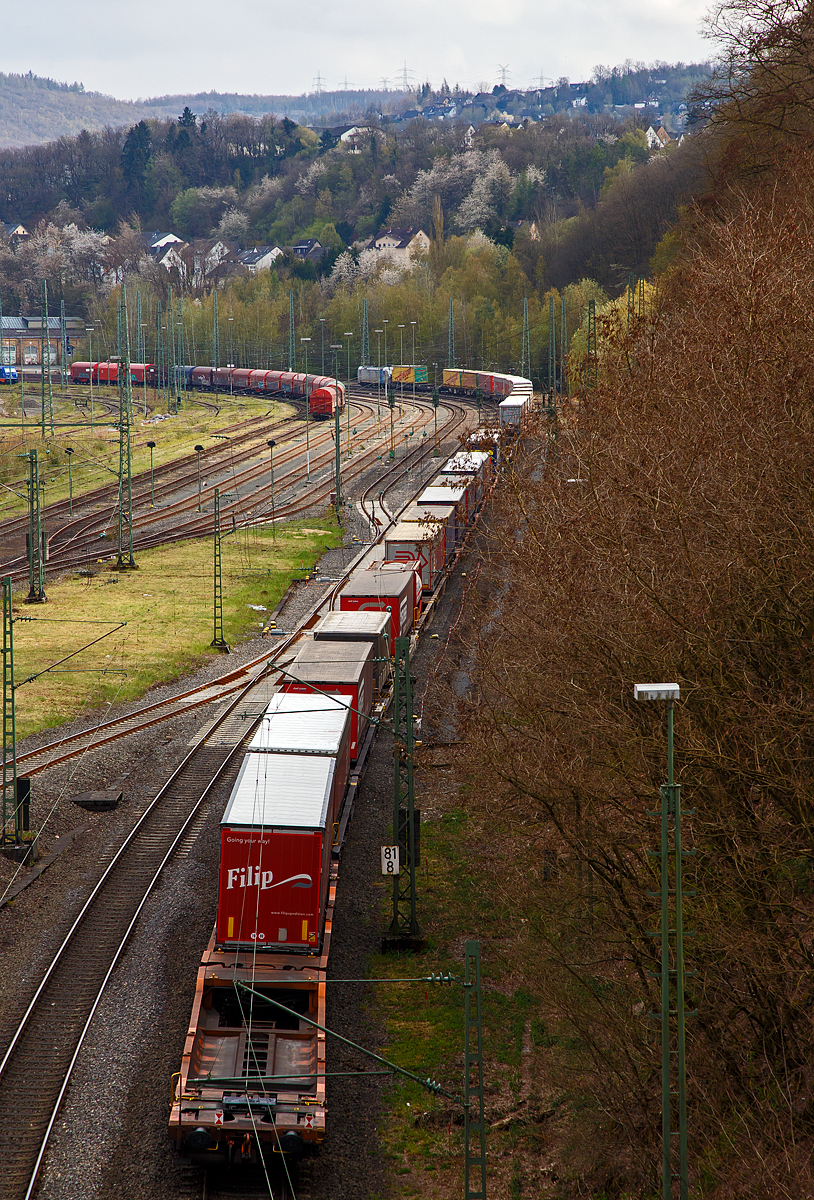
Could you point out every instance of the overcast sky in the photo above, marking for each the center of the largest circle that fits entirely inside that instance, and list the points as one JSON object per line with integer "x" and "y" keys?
{"x": 151, "y": 47}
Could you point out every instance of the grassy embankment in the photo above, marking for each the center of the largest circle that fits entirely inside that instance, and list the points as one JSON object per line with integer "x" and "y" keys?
{"x": 167, "y": 603}
{"x": 422, "y": 1134}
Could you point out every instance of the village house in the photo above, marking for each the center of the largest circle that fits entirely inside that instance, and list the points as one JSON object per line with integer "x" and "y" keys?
{"x": 401, "y": 244}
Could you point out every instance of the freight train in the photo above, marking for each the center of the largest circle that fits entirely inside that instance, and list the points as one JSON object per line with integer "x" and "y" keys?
{"x": 253, "y": 1073}
{"x": 325, "y": 394}
{"x": 454, "y": 382}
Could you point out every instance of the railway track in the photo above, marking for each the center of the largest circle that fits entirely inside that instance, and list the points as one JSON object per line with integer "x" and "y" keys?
{"x": 78, "y": 543}
{"x": 37, "y": 1062}
{"x": 72, "y": 745}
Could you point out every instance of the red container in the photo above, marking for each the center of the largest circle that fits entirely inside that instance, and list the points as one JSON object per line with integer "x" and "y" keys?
{"x": 321, "y": 402}
{"x": 254, "y": 911}
{"x": 80, "y": 372}
{"x": 379, "y": 590}
{"x": 341, "y": 668}
{"x": 299, "y": 724}
{"x": 424, "y": 545}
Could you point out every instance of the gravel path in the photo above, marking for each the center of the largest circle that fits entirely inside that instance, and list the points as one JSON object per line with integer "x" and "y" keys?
{"x": 110, "y": 1140}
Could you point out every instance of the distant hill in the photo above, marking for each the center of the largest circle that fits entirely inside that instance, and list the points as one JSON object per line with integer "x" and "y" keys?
{"x": 35, "y": 110}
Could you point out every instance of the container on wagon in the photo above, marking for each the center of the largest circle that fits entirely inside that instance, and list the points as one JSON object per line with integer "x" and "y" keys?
{"x": 424, "y": 545}
{"x": 444, "y": 494}
{"x": 275, "y": 856}
{"x": 512, "y": 411}
{"x": 451, "y": 377}
{"x": 409, "y": 567}
{"x": 376, "y": 591}
{"x": 372, "y": 627}
{"x": 469, "y": 380}
{"x": 297, "y": 724}
{"x": 409, "y": 374}
{"x": 81, "y": 371}
{"x": 463, "y": 490}
{"x": 443, "y": 516}
{"x": 344, "y": 668}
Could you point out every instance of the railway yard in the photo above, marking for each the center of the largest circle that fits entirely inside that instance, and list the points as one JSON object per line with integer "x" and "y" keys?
{"x": 101, "y": 948}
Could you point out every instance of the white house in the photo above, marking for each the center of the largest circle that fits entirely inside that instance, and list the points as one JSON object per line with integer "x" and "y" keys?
{"x": 401, "y": 244}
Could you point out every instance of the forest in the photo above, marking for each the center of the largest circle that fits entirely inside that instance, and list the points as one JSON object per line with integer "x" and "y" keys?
{"x": 661, "y": 530}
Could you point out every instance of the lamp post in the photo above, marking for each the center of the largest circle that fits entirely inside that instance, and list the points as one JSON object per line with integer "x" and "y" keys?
{"x": 144, "y": 364}
{"x": 198, "y": 450}
{"x": 401, "y": 358}
{"x": 89, "y": 332}
{"x": 322, "y": 332}
{"x": 69, "y": 452}
{"x": 413, "y": 325}
{"x": 271, "y": 444}
{"x": 348, "y": 336}
{"x": 337, "y": 450}
{"x": 152, "y": 479}
{"x": 231, "y": 357}
{"x": 385, "y": 324}
{"x": 671, "y": 807}
{"x": 379, "y": 378}
{"x": 305, "y": 341}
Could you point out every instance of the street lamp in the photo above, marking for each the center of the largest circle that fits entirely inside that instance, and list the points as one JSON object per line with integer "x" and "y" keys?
{"x": 322, "y": 331}
{"x": 413, "y": 324}
{"x": 305, "y": 341}
{"x": 401, "y": 359}
{"x": 198, "y": 451}
{"x": 69, "y": 452}
{"x": 378, "y": 333}
{"x": 271, "y": 444}
{"x": 385, "y": 323}
{"x": 349, "y": 336}
{"x": 152, "y": 479}
{"x": 144, "y": 364}
{"x": 231, "y": 357}
{"x": 671, "y": 806}
{"x": 337, "y": 451}
{"x": 89, "y": 332}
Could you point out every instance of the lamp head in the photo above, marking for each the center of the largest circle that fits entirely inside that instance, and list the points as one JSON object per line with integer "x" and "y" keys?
{"x": 656, "y": 691}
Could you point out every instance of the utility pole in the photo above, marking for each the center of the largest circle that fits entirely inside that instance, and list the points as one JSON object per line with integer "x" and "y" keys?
{"x": 218, "y": 640}
{"x": 563, "y": 346}
{"x": 552, "y": 346}
{"x": 215, "y": 331}
{"x": 525, "y": 364}
{"x": 631, "y": 299}
{"x": 172, "y": 394}
{"x": 451, "y": 338}
{"x": 593, "y": 363}
{"x": 364, "y": 361}
{"x": 435, "y": 415}
{"x": 404, "y": 927}
{"x": 292, "y": 359}
{"x": 125, "y": 560}
{"x": 36, "y": 544}
{"x": 63, "y": 345}
{"x": 474, "y": 1120}
{"x": 11, "y": 812}
{"x": 45, "y": 352}
{"x": 671, "y": 977}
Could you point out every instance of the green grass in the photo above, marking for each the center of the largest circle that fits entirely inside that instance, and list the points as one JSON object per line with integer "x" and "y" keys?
{"x": 167, "y": 604}
{"x": 95, "y": 461}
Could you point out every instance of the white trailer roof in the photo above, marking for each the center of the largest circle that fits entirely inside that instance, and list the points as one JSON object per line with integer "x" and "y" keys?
{"x": 296, "y": 723}
{"x": 414, "y": 531}
{"x": 465, "y": 462}
{"x": 442, "y": 494}
{"x": 361, "y": 623}
{"x": 281, "y": 790}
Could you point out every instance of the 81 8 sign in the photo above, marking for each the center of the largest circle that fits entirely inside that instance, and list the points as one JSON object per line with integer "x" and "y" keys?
{"x": 390, "y": 860}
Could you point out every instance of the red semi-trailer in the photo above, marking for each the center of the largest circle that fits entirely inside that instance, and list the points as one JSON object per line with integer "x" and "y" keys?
{"x": 276, "y": 837}
{"x": 378, "y": 590}
{"x": 343, "y": 668}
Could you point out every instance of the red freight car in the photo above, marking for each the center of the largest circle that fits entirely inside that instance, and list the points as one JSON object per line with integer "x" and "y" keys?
{"x": 341, "y": 668}
{"x": 377, "y": 590}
